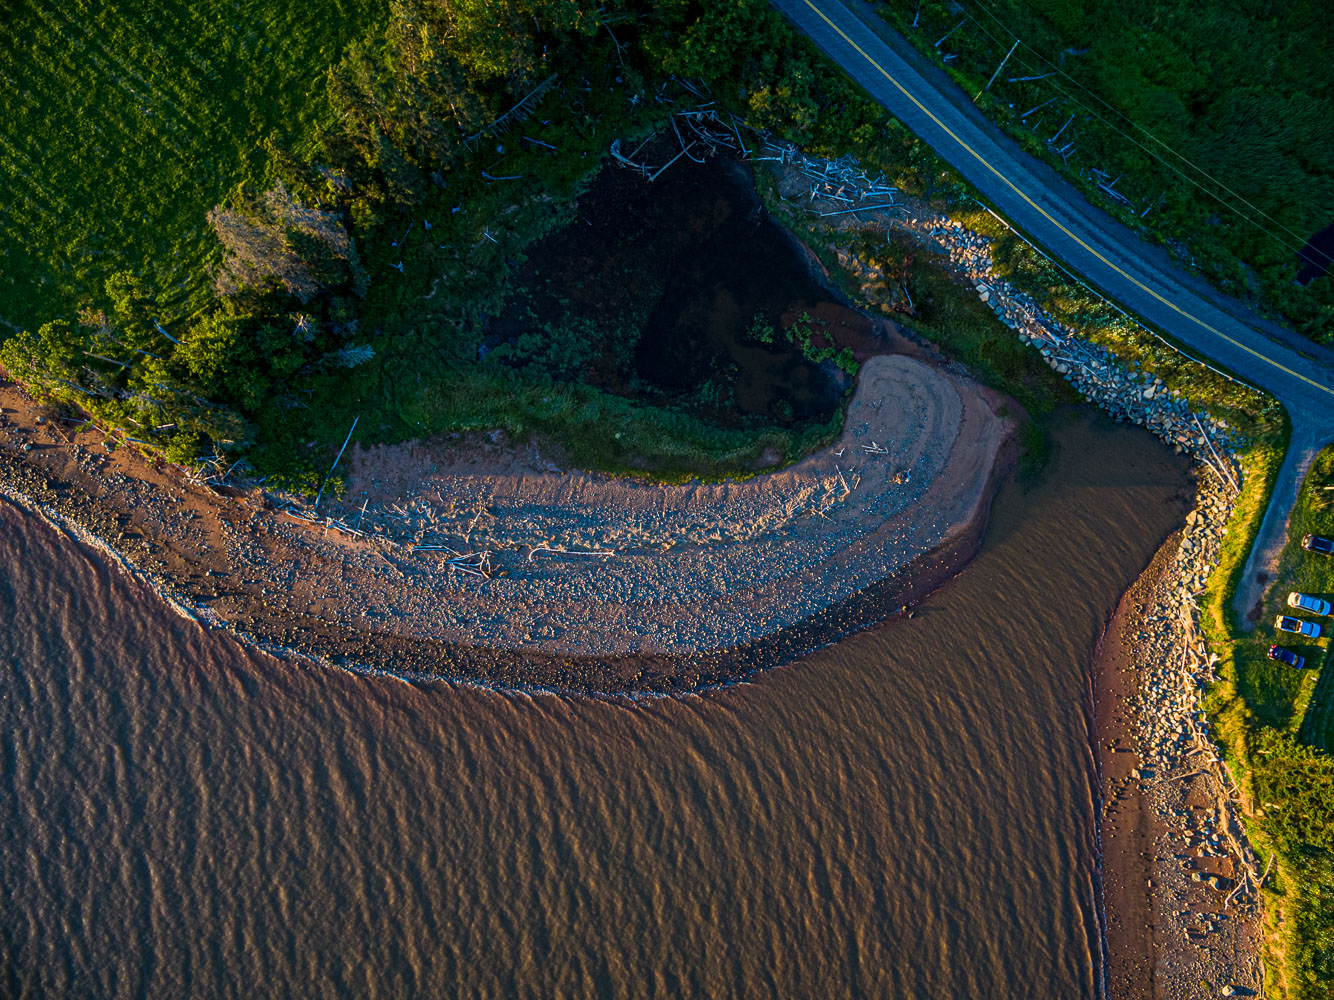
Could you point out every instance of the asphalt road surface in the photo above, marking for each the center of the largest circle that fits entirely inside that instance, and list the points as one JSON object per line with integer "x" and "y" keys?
{"x": 1139, "y": 277}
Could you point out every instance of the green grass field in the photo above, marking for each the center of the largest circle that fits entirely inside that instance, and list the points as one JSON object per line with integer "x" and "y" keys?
{"x": 122, "y": 124}
{"x": 1314, "y": 574}
{"x": 1298, "y": 703}
{"x": 1275, "y": 724}
{"x": 1294, "y": 777}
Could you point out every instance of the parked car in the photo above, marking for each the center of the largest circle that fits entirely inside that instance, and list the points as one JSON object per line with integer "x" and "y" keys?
{"x": 1308, "y": 603}
{"x": 1318, "y": 543}
{"x": 1287, "y": 656}
{"x": 1286, "y": 623}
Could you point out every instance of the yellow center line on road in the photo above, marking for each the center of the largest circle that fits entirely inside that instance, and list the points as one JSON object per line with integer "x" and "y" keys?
{"x": 1043, "y": 212}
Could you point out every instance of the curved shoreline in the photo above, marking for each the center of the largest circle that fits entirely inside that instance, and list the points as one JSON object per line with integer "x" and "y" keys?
{"x": 1178, "y": 908}
{"x": 233, "y": 563}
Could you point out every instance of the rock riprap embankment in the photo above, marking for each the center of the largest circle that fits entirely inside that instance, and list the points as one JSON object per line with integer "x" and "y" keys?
{"x": 1097, "y": 373}
{"x": 848, "y": 198}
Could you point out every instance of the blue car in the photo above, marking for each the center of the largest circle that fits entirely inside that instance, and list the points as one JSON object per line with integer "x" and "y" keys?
{"x": 1286, "y": 623}
{"x": 1305, "y": 602}
{"x": 1318, "y": 543}
{"x": 1287, "y": 656}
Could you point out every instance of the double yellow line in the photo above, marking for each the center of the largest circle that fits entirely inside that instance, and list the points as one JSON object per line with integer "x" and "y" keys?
{"x": 1043, "y": 212}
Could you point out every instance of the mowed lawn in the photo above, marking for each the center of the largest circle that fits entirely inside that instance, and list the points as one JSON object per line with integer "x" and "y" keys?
{"x": 1300, "y": 701}
{"x": 122, "y": 123}
{"x": 1314, "y": 574}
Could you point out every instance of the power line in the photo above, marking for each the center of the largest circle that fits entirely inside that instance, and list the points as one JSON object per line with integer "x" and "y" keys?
{"x": 1300, "y": 251}
{"x": 1097, "y": 97}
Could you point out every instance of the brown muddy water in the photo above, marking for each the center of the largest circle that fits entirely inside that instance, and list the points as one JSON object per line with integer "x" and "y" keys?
{"x": 907, "y": 813}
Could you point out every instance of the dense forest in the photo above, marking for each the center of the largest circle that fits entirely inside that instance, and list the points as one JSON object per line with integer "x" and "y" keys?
{"x": 228, "y": 270}
{"x": 1205, "y": 125}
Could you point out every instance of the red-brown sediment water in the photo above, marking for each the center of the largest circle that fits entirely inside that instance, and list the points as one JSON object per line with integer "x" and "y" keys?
{"x": 909, "y": 812}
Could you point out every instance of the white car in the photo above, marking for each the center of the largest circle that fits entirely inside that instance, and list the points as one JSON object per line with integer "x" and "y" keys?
{"x": 1305, "y": 602}
{"x": 1286, "y": 623}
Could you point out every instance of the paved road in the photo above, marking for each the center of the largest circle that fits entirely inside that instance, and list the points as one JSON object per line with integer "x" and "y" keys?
{"x": 1140, "y": 277}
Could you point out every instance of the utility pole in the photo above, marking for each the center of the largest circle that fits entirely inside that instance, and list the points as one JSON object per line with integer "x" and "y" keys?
{"x": 1001, "y": 66}
{"x": 952, "y": 31}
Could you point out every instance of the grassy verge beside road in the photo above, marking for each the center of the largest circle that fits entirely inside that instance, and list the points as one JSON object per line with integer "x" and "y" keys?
{"x": 1274, "y": 724}
{"x": 1313, "y": 574}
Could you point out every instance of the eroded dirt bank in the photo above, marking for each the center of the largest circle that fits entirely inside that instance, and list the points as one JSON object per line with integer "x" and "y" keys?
{"x": 700, "y": 579}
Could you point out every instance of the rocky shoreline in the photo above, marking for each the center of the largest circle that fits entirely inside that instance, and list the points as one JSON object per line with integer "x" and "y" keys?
{"x": 1160, "y": 767}
{"x": 1095, "y": 372}
{"x": 1166, "y": 791}
{"x": 1167, "y": 794}
{"x": 1181, "y": 882}
{"x": 637, "y": 588}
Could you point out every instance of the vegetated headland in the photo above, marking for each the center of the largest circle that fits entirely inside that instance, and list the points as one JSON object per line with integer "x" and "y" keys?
{"x": 382, "y": 269}
{"x": 481, "y": 556}
{"x": 458, "y": 554}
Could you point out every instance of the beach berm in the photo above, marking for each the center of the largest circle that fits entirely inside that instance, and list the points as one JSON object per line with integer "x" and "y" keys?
{"x": 580, "y": 565}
